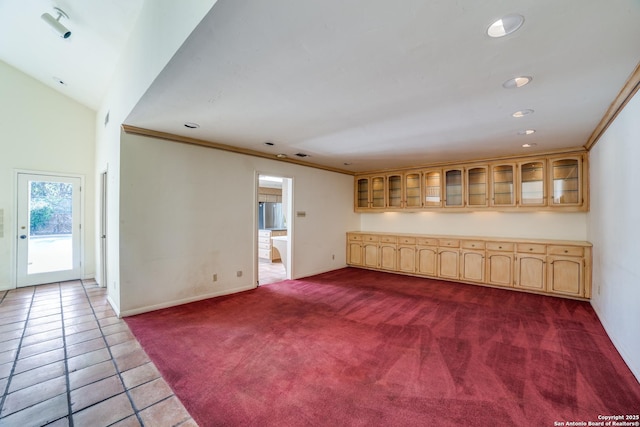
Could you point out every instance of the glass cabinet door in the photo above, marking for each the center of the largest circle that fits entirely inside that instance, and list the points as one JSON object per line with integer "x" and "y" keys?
{"x": 477, "y": 186}
{"x": 362, "y": 193}
{"x": 413, "y": 196}
{"x": 377, "y": 192}
{"x": 394, "y": 188}
{"x": 432, "y": 189}
{"x": 502, "y": 185}
{"x": 532, "y": 184}
{"x": 565, "y": 178}
{"x": 453, "y": 188}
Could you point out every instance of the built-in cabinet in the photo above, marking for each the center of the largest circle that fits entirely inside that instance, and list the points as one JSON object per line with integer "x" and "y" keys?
{"x": 556, "y": 182}
{"x": 561, "y": 268}
{"x": 265, "y": 245}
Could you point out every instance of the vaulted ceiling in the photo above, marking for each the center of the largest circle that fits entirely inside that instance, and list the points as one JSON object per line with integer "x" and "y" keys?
{"x": 358, "y": 85}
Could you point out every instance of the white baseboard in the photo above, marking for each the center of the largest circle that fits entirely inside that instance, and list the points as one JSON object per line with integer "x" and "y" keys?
{"x": 174, "y": 303}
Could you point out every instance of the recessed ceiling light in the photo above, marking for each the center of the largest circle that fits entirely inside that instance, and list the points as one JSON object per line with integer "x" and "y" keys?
{"x": 302, "y": 155}
{"x": 269, "y": 143}
{"x": 526, "y": 132}
{"x": 533, "y": 144}
{"x": 517, "y": 82}
{"x": 191, "y": 125}
{"x": 506, "y": 25}
{"x": 522, "y": 113}
{"x": 281, "y": 156}
{"x": 347, "y": 163}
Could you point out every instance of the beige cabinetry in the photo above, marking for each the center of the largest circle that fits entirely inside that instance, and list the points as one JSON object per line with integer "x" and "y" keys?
{"x": 561, "y": 268}
{"x": 551, "y": 182}
{"x": 472, "y": 261}
{"x": 500, "y": 263}
{"x": 265, "y": 246}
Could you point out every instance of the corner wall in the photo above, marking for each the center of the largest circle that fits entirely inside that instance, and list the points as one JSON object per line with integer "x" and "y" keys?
{"x": 614, "y": 230}
{"x": 188, "y": 212}
{"x": 42, "y": 130}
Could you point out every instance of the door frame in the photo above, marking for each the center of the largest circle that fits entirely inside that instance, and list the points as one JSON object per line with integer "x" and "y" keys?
{"x": 14, "y": 223}
{"x": 290, "y": 224}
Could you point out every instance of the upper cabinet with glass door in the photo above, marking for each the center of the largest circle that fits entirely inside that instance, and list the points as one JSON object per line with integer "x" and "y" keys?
{"x": 503, "y": 185}
{"x": 565, "y": 177}
{"x": 546, "y": 182}
{"x": 370, "y": 193}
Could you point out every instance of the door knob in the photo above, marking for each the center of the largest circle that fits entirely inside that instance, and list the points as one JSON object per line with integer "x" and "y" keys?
{"x": 23, "y": 236}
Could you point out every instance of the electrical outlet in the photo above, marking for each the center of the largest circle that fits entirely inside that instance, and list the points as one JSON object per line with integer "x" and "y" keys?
{"x": 215, "y": 277}
{"x": 239, "y": 273}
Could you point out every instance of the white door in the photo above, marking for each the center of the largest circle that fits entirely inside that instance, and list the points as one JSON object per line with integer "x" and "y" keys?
{"x": 48, "y": 248}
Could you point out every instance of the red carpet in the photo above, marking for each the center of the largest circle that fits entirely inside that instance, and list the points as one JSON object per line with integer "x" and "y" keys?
{"x": 362, "y": 348}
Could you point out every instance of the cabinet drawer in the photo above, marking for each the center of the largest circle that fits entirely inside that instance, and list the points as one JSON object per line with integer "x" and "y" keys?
{"x": 565, "y": 250}
{"x": 450, "y": 243}
{"x": 424, "y": 241}
{"x": 264, "y": 246}
{"x": 531, "y": 248}
{"x": 500, "y": 246}
{"x": 407, "y": 240}
{"x": 473, "y": 244}
{"x": 355, "y": 237}
{"x": 388, "y": 239}
{"x": 264, "y": 253}
{"x": 266, "y": 240}
{"x": 370, "y": 238}
{"x": 264, "y": 233}
{"x": 279, "y": 233}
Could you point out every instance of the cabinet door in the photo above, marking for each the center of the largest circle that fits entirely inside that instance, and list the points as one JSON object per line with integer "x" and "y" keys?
{"x": 363, "y": 195}
{"x": 448, "y": 260}
{"x": 472, "y": 266}
{"x": 477, "y": 186}
{"x": 566, "y": 276}
{"x": 532, "y": 183}
{"x": 354, "y": 253}
{"x": 432, "y": 189}
{"x": 370, "y": 255}
{"x": 453, "y": 188}
{"x": 565, "y": 179}
{"x": 407, "y": 259}
{"x": 426, "y": 260}
{"x": 500, "y": 268}
{"x": 530, "y": 272}
{"x": 503, "y": 190}
{"x": 387, "y": 256}
{"x": 378, "y": 192}
{"x": 412, "y": 190}
{"x": 394, "y": 191}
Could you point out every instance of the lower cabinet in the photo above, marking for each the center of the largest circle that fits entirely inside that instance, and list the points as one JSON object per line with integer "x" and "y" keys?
{"x": 540, "y": 266}
{"x": 265, "y": 247}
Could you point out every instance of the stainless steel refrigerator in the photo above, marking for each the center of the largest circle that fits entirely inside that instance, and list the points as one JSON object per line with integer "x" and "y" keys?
{"x": 270, "y": 216}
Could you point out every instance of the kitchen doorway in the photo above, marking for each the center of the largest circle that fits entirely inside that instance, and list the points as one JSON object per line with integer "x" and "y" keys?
{"x": 273, "y": 228}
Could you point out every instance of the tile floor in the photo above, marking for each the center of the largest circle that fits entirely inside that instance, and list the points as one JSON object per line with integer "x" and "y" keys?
{"x": 67, "y": 360}
{"x": 270, "y": 272}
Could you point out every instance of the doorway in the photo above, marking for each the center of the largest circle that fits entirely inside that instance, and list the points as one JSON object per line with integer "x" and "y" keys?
{"x": 274, "y": 228}
{"x": 49, "y": 227}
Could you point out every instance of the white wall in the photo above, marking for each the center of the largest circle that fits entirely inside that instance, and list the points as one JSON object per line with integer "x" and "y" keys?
{"x": 161, "y": 29}
{"x": 42, "y": 130}
{"x": 536, "y": 225}
{"x": 188, "y": 212}
{"x": 614, "y": 230}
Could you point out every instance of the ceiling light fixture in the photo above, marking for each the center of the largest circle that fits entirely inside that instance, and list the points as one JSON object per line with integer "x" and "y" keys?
{"x": 533, "y": 144}
{"x": 191, "y": 125}
{"x": 517, "y": 82}
{"x": 302, "y": 155}
{"x": 56, "y": 24}
{"x": 269, "y": 143}
{"x": 522, "y": 113}
{"x": 526, "y": 132}
{"x": 281, "y": 156}
{"x": 506, "y": 25}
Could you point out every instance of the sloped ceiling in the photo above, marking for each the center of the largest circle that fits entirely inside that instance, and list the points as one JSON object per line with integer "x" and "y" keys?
{"x": 363, "y": 85}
